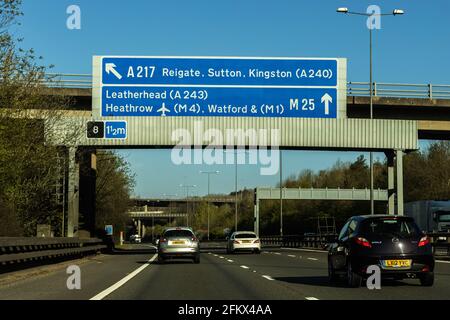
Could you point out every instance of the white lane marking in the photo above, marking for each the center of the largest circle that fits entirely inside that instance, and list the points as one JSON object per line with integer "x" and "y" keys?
{"x": 215, "y": 255}
{"x": 268, "y": 277}
{"x": 121, "y": 282}
{"x": 229, "y": 260}
{"x": 443, "y": 261}
{"x": 311, "y": 298}
{"x": 209, "y": 253}
{"x": 277, "y": 253}
{"x": 254, "y": 270}
{"x": 291, "y": 255}
{"x": 313, "y": 259}
{"x": 245, "y": 267}
{"x": 220, "y": 257}
{"x": 307, "y": 250}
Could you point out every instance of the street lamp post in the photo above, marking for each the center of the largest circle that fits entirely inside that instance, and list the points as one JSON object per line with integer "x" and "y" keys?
{"x": 394, "y": 13}
{"x": 187, "y": 198}
{"x": 209, "y": 173}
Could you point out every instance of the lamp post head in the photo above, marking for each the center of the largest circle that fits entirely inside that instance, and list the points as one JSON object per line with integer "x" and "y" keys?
{"x": 342, "y": 10}
{"x": 398, "y": 12}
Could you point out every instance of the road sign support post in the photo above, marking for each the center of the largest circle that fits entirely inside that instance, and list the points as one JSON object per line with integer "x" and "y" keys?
{"x": 73, "y": 193}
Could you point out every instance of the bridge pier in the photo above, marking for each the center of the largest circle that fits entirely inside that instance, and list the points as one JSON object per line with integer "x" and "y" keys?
{"x": 391, "y": 182}
{"x": 73, "y": 195}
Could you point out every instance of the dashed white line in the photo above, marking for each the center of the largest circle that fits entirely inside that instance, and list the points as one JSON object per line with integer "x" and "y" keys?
{"x": 220, "y": 257}
{"x": 307, "y": 250}
{"x": 313, "y": 259}
{"x": 229, "y": 260}
{"x": 291, "y": 255}
{"x": 244, "y": 267}
{"x": 443, "y": 261}
{"x": 268, "y": 277}
{"x": 277, "y": 253}
{"x": 311, "y": 298}
{"x": 121, "y": 282}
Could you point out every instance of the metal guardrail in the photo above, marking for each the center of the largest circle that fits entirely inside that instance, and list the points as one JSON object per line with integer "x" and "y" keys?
{"x": 19, "y": 250}
{"x": 380, "y": 89}
{"x": 441, "y": 247}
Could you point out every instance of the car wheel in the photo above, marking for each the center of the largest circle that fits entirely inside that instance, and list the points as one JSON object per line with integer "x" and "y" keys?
{"x": 197, "y": 259}
{"x": 353, "y": 279}
{"x": 257, "y": 251}
{"x": 332, "y": 277}
{"x": 427, "y": 279}
{"x": 161, "y": 260}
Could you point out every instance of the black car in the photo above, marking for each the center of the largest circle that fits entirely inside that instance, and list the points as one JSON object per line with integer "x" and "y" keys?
{"x": 394, "y": 243}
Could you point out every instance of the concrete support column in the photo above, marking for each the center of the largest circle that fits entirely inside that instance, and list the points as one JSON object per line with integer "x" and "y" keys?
{"x": 399, "y": 167}
{"x": 391, "y": 182}
{"x": 143, "y": 231}
{"x": 73, "y": 194}
{"x": 256, "y": 217}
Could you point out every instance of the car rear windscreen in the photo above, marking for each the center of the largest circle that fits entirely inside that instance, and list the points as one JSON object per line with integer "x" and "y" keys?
{"x": 245, "y": 236}
{"x": 178, "y": 233}
{"x": 390, "y": 227}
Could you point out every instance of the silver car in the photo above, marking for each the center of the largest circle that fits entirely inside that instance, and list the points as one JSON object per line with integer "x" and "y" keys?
{"x": 243, "y": 241}
{"x": 179, "y": 242}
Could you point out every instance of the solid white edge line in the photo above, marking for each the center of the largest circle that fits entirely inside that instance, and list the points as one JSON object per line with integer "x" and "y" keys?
{"x": 124, "y": 280}
{"x": 443, "y": 261}
{"x": 311, "y": 298}
{"x": 268, "y": 277}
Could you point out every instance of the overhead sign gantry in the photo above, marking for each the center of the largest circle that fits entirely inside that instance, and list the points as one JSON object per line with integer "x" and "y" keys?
{"x": 127, "y": 86}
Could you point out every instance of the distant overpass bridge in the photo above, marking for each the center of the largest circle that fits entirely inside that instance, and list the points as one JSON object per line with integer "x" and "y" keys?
{"x": 429, "y": 104}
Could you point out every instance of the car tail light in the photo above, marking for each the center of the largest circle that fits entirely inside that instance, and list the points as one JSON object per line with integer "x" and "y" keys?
{"x": 426, "y": 269}
{"x": 363, "y": 242}
{"x": 256, "y": 241}
{"x": 237, "y": 242}
{"x": 194, "y": 239}
{"x": 424, "y": 241}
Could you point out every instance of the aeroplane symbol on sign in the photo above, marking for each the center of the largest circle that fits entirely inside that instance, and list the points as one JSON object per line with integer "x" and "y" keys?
{"x": 163, "y": 110}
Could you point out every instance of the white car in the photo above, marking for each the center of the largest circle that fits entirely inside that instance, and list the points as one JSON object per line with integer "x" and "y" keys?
{"x": 243, "y": 241}
{"x": 135, "y": 238}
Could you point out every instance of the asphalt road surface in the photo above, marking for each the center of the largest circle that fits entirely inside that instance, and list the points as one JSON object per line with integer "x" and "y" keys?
{"x": 273, "y": 274}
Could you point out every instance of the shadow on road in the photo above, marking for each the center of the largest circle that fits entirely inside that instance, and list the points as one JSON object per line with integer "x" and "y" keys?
{"x": 322, "y": 281}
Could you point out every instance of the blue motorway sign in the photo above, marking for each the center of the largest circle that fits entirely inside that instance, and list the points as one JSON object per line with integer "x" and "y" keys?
{"x": 227, "y": 87}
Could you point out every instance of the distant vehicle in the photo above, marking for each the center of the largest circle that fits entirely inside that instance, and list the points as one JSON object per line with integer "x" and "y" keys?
{"x": 243, "y": 241}
{"x": 179, "y": 242}
{"x": 135, "y": 238}
{"x": 394, "y": 243}
{"x": 431, "y": 216}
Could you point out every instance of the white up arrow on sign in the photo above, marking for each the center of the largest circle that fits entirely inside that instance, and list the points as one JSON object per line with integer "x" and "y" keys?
{"x": 327, "y": 99}
{"x": 109, "y": 67}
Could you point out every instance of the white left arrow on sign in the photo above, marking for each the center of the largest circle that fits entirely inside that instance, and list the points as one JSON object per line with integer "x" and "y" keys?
{"x": 326, "y": 100}
{"x": 110, "y": 68}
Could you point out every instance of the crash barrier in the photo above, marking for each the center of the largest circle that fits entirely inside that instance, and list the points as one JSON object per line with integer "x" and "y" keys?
{"x": 20, "y": 250}
{"x": 439, "y": 241}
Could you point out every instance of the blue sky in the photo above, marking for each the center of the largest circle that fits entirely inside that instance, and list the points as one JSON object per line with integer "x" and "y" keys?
{"x": 408, "y": 49}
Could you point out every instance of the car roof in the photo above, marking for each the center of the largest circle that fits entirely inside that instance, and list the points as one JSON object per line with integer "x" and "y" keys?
{"x": 240, "y": 232}
{"x": 177, "y": 228}
{"x": 372, "y": 216}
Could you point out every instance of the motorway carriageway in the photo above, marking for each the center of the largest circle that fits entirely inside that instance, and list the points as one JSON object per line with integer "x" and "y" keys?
{"x": 274, "y": 274}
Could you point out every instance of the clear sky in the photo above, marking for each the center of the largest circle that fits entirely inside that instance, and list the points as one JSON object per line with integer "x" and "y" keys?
{"x": 413, "y": 48}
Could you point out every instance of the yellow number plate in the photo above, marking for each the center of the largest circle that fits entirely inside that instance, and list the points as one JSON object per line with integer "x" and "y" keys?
{"x": 397, "y": 263}
{"x": 246, "y": 241}
{"x": 177, "y": 242}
